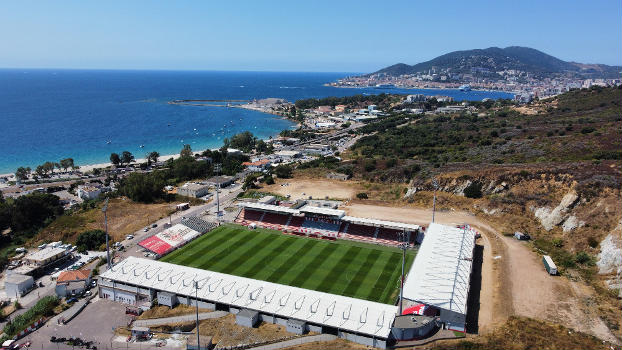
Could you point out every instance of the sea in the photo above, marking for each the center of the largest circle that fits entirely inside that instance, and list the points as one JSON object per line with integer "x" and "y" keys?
{"x": 51, "y": 114}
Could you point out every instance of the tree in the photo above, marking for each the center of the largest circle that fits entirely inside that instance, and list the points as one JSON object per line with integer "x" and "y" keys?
{"x": 283, "y": 171}
{"x": 145, "y": 188}
{"x": 22, "y": 173}
{"x": 115, "y": 159}
{"x": 153, "y": 157}
{"x": 127, "y": 157}
{"x": 361, "y": 195}
{"x": 33, "y": 210}
{"x": 40, "y": 170}
{"x": 48, "y": 167}
{"x": 67, "y": 163}
{"x": 186, "y": 152}
{"x": 90, "y": 240}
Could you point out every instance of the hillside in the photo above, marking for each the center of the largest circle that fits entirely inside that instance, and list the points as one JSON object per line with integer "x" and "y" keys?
{"x": 494, "y": 59}
{"x": 552, "y": 169}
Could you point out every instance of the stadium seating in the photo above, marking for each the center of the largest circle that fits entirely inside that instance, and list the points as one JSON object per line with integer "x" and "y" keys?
{"x": 361, "y": 230}
{"x": 275, "y": 218}
{"x": 321, "y": 225}
{"x": 296, "y": 221}
{"x": 251, "y": 215}
{"x": 389, "y": 233}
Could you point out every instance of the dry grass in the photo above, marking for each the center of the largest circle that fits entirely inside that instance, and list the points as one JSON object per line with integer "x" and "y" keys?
{"x": 526, "y": 333}
{"x": 302, "y": 188}
{"x": 124, "y": 217}
{"x": 334, "y": 344}
{"x": 165, "y": 311}
{"x": 225, "y": 332}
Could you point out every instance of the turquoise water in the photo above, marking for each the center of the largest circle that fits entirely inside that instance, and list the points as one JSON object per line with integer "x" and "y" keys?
{"x": 47, "y": 115}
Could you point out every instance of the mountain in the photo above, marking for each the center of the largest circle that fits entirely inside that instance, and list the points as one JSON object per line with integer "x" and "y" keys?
{"x": 495, "y": 59}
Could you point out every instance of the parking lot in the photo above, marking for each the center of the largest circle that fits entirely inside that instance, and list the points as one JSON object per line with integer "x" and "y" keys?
{"x": 95, "y": 323}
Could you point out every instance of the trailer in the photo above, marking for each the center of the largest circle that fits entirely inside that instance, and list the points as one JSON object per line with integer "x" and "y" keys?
{"x": 549, "y": 265}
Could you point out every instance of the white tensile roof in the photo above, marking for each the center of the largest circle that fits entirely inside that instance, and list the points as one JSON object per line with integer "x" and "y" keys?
{"x": 383, "y": 223}
{"x": 440, "y": 275}
{"x": 322, "y": 211}
{"x": 355, "y": 315}
{"x": 269, "y": 207}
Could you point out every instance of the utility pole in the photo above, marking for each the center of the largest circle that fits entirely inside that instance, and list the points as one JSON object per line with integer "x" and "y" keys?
{"x": 403, "y": 246}
{"x": 435, "y": 184}
{"x": 105, "y": 210}
{"x": 196, "y": 300}
{"x": 217, "y": 169}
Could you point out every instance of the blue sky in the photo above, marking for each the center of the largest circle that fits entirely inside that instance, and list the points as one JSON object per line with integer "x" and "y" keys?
{"x": 344, "y": 36}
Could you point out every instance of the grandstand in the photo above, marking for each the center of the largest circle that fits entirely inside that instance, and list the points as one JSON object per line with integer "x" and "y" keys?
{"x": 327, "y": 223}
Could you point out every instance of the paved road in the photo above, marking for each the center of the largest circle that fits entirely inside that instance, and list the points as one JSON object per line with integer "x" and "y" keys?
{"x": 297, "y": 341}
{"x": 178, "y": 319}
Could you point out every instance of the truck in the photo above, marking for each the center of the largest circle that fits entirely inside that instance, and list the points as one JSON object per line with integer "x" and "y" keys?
{"x": 549, "y": 265}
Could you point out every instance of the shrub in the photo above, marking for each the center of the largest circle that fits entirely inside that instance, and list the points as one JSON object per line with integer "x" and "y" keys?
{"x": 474, "y": 190}
{"x": 361, "y": 195}
{"x": 584, "y": 258}
{"x": 557, "y": 242}
{"x": 587, "y": 130}
{"x": 592, "y": 242}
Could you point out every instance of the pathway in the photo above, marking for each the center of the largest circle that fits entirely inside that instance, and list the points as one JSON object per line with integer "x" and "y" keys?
{"x": 297, "y": 341}
{"x": 179, "y": 319}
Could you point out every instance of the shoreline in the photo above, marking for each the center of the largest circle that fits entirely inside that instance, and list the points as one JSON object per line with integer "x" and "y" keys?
{"x": 418, "y": 88}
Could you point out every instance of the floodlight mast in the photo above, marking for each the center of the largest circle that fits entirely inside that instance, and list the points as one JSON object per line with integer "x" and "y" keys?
{"x": 196, "y": 300}
{"x": 105, "y": 209}
{"x": 403, "y": 246}
{"x": 217, "y": 169}
{"x": 435, "y": 184}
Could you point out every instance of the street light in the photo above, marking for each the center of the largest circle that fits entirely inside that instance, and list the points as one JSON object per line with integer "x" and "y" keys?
{"x": 196, "y": 302}
{"x": 435, "y": 184}
{"x": 105, "y": 210}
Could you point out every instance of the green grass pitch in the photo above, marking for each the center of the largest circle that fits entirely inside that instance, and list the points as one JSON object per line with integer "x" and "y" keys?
{"x": 359, "y": 270}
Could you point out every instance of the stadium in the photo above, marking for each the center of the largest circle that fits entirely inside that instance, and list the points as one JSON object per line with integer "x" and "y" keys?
{"x": 312, "y": 269}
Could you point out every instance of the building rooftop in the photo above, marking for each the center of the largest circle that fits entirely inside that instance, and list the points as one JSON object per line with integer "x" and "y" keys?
{"x": 44, "y": 254}
{"x": 440, "y": 274}
{"x": 193, "y": 186}
{"x": 17, "y": 278}
{"x": 345, "y": 313}
{"x": 382, "y": 223}
{"x": 76, "y": 275}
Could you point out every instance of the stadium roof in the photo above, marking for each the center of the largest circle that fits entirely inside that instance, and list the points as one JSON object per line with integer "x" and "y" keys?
{"x": 355, "y": 315}
{"x": 376, "y": 222}
{"x": 440, "y": 275}
{"x": 269, "y": 207}
{"x": 322, "y": 211}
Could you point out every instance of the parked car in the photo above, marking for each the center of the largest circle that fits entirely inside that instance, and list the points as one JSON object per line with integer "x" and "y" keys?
{"x": 129, "y": 237}
{"x": 154, "y": 225}
{"x": 146, "y": 229}
{"x": 72, "y": 300}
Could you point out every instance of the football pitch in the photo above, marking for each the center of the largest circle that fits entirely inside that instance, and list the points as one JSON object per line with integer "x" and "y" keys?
{"x": 359, "y": 270}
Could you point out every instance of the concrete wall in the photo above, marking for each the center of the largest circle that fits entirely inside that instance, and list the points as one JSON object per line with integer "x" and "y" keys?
{"x": 167, "y": 299}
{"x": 117, "y": 295}
{"x": 361, "y": 339}
{"x": 296, "y": 327}
{"x": 246, "y": 321}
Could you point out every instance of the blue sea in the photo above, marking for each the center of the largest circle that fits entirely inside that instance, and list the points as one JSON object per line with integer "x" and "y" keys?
{"x": 50, "y": 114}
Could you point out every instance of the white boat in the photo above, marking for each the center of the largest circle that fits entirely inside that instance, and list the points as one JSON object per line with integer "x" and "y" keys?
{"x": 465, "y": 87}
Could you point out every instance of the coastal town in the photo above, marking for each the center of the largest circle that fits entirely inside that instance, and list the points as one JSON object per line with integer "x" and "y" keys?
{"x": 524, "y": 85}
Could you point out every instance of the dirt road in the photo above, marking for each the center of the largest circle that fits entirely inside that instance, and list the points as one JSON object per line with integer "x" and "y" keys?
{"x": 318, "y": 189}
{"x": 514, "y": 281}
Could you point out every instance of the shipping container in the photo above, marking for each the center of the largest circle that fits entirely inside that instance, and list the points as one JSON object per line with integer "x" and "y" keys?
{"x": 549, "y": 265}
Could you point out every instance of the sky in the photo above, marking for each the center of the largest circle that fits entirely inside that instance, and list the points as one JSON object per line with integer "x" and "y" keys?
{"x": 291, "y": 35}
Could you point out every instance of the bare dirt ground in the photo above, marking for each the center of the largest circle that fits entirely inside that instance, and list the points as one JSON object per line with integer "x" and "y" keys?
{"x": 514, "y": 281}
{"x": 318, "y": 189}
{"x": 124, "y": 217}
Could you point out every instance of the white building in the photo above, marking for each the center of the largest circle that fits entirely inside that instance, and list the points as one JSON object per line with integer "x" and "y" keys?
{"x": 136, "y": 280}
{"x": 440, "y": 276}
{"x": 192, "y": 189}
{"x": 88, "y": 192}
{"x": 17, "y": 285}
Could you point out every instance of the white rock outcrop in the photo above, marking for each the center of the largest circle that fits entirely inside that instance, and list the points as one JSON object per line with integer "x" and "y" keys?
{"x": 610, "y": 256}
{"x": 551, "y": 218}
